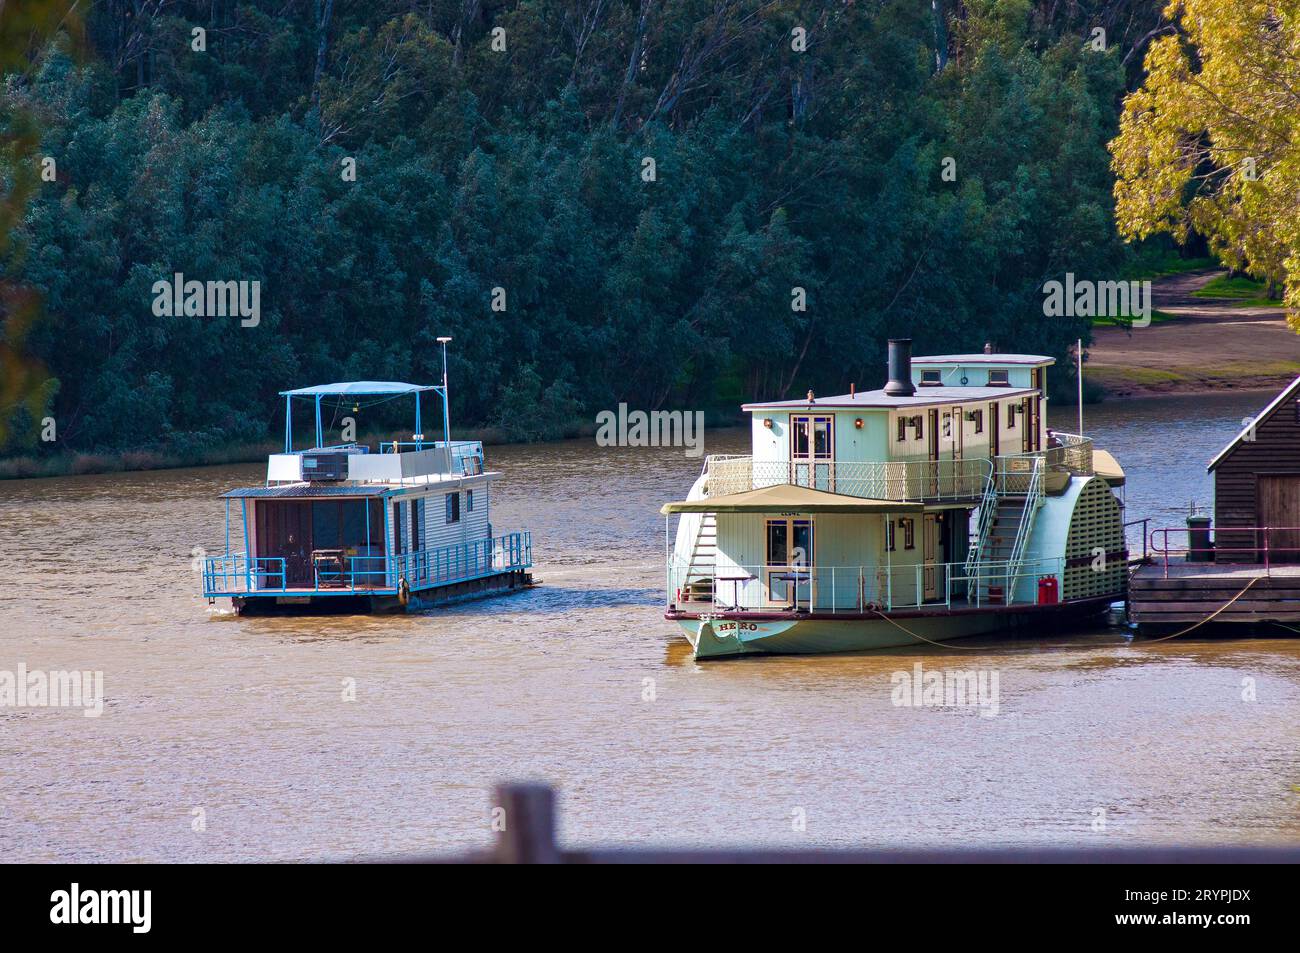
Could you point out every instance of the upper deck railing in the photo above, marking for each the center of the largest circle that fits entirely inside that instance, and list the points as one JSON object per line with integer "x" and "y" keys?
{"x": 904, "y": 481}
{"x": 1064, "y": 452}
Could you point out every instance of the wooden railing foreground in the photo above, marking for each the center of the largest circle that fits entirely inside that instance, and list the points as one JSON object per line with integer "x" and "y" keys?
{"x": 528, "y": 836}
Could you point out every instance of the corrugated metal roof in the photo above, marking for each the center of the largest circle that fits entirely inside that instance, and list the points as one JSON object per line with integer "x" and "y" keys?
{"x": 303, "y": 490}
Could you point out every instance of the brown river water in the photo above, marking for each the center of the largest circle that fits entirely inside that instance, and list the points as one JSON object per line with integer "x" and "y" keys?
{"x": 230, "y": 739}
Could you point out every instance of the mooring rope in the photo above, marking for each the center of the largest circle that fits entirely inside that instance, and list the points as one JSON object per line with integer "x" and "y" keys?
{"x": 917, "y": 635}
{"x": 1209, "y": 617}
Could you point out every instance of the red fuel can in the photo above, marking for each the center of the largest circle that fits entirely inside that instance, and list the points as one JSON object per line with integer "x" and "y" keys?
{"x": 1048, "y": 591}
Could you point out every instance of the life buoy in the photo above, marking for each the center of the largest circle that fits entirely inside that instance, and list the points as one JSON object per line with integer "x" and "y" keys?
{"x": 403, "y": 591}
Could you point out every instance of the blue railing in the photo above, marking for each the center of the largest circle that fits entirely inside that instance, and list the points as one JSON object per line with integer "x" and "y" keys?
{"x": 480, "y": 557}
{"x": 237, "y": 574}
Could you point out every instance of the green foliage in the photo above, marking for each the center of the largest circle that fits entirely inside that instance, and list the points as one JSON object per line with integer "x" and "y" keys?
{"x": 522, "y": 169}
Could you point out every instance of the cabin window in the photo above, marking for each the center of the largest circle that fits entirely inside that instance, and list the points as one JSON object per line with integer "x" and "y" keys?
{"x": 810, "y": 437}
{"x": 778, "y": 543}
{"x": 930, "y": 379}
{"x": 469, "y": 501}
{"x": 453, "y": 507}
{"x": 416, "y": 506}
{"x": 978, "y": 417}
{"x": 918, "y": 431}
{"x": 902, "y": 429}
{"x": 1011, "y": 416}
{"x": 908, "y": 526}
{"x": 889, "y": 535}
{"x": 999, "y": 378}
{"x": 789, "y": 542}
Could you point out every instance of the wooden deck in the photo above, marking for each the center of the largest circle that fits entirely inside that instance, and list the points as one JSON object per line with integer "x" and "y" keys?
{"x": 1193, "y": 592}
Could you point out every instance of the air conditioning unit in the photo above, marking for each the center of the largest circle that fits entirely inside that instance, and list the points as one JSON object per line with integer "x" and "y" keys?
{"x": 325, "y": 467}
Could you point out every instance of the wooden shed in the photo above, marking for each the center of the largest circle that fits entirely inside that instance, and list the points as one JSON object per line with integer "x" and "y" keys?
{"x": 1257, "y": 487}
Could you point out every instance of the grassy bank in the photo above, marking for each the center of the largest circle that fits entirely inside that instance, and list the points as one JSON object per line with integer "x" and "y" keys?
{"x": 1160, "y": 263}
{"x": 1241, "y": 291}
{"x": 1191, "y": 378}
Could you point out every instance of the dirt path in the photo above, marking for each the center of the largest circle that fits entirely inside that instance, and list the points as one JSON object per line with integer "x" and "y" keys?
{"x": 1213, "y": 345}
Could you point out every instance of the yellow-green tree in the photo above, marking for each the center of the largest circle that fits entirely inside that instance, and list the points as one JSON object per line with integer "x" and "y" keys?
{"x": 1211, "y": 140}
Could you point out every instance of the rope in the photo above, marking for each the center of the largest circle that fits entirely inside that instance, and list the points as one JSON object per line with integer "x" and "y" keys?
{"x": 916, "y": 635}
{"x": 1209, "y": 617}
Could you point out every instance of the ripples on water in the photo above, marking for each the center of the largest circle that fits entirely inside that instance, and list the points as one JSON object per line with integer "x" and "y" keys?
{"x": 244, "y": 718}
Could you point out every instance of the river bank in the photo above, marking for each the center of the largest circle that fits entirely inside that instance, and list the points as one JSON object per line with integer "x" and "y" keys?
{"x": 63, "y": 464}
{"x": 1200, "y": 345}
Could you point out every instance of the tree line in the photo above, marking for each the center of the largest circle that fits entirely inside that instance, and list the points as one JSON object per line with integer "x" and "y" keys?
{"x": 665, "y": 204}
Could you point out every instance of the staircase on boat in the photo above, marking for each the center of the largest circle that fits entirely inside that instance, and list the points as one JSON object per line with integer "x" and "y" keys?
{"x": 1006, "y": 520}
{"x": 698, "y": 586}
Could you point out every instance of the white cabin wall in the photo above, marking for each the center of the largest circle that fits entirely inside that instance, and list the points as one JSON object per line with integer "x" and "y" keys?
{"x": 869, "y": 444}
{"x": 771, "y": 443}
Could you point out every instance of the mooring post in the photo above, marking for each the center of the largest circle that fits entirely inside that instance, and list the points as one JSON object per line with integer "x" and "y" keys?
{"x": 527, "y": 835}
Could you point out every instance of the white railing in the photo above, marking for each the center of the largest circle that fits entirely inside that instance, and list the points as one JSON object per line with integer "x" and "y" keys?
{"x": 1065, "y": 451}
{"x": 855, "y": 589}
{"x": 901, "y": 480}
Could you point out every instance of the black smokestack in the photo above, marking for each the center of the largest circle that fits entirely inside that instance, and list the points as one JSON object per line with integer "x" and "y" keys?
{"x": 900, "y": 368}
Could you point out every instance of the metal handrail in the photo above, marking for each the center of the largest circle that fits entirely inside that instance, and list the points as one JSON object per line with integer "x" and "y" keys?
{"x": 461, "y": 561}
{"x": 233, "y": 567}
{"x": 1265, "y": 551}
{"x": 222, "y": 575}
{"x": 857, "y": 588}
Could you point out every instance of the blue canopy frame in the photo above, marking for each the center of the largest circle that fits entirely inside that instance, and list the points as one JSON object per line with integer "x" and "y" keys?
{"x": 364, "y": 389}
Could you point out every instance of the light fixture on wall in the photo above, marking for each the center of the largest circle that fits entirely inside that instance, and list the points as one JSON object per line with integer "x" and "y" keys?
{"x": 767, "y": 422}
{"x": 857, "y": 423}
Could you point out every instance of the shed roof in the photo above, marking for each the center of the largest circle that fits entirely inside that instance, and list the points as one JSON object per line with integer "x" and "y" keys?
{"x": 1258, "y": 419}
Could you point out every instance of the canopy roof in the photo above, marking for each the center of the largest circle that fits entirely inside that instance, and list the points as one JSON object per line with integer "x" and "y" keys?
{"x": 1107, "y": 467}
{"x": 358, "y": 389}
{"x": 789, "y": 499}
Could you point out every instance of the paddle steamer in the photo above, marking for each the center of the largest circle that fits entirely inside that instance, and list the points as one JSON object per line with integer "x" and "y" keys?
{"x": 938, "y": 507}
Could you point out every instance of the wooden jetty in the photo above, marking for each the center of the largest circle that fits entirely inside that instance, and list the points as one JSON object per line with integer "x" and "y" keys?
{"x": 1186, "y": 593}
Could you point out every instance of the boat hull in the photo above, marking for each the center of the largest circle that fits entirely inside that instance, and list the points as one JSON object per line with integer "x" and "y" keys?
{"x": 732, "y": 635}
{"x": 418, "y": 600}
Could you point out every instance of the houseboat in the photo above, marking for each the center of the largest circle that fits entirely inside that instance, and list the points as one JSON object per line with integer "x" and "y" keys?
{"x": 1237, "y": 568}
{"x": 344, "y": 527}
{"x": 938, "y": 507}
